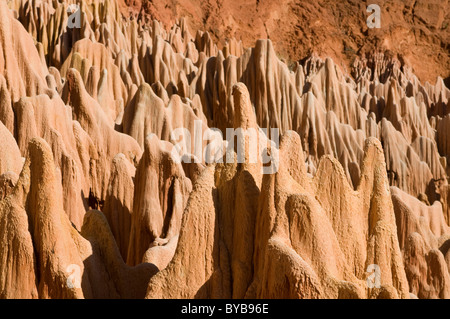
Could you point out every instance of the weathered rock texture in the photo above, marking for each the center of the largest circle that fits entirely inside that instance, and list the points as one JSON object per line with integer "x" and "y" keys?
{"x": 416, "y": 31}
{"x": 95, "y": 203}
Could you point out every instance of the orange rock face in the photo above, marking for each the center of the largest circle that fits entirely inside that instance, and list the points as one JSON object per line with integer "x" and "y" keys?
{"x": 418, "y": 32}
{"x": 139, "y": 161}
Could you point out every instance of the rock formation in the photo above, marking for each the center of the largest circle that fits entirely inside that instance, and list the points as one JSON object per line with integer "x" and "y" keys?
{"x": 108, "y": 188}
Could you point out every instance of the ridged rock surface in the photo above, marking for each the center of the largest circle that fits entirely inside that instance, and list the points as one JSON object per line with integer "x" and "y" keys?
{"x": 95, "y": 203}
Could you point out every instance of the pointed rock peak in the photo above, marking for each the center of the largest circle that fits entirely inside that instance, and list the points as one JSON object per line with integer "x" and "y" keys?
{"x": 10, "y": 158}
{"x": 145, "y": 89}
{"x": 291, "y": 152}
{"x": 245, "y": 115}
{"x": 74, "y": 85}
{"x": 264, "y": 46}
{"x": 152, "y": 149}
{"x": 160, "y": 91}
{"x": 329, "y": 65}
{"x": 374, "y": 143}
{"x": 42, "y": 167}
